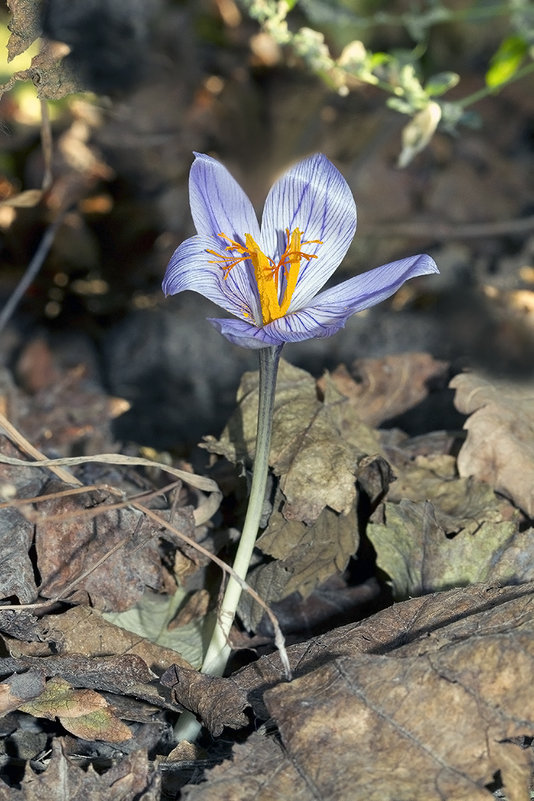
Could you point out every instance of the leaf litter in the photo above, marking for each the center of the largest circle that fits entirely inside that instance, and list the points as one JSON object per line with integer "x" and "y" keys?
{"x": 427, "y": 698}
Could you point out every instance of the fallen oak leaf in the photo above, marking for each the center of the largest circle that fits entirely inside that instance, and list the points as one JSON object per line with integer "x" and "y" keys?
{"x": 17, "y": 575}
{"x": 126, "y": 676}
{"x": 466, "y": 501}
{"x": 116, "y": 553}
{"x": 259, "y": 769}
{"x": 24, "y": 25}
{"x": 381, "y": 389}
{"x": 84, "y": 632}
{"x": 101, "y": 724}
{"x": 418, "y": 625}
{"x": 305, "y": 556}
{"x": 413, "y": 728}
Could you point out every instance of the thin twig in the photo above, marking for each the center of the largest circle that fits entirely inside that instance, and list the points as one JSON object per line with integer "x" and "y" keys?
{"x": 47, "y": 146}
{"x": 437, "y": 230}
{"x": 31, "y": 272}
{"x": 91, "y": 511}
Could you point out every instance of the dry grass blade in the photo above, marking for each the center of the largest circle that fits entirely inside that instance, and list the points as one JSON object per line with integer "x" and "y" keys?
{"x": 203, "y": 513}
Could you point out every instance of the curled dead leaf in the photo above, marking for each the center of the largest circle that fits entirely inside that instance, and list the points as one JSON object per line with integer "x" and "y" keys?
{"x": 499, "y": 447}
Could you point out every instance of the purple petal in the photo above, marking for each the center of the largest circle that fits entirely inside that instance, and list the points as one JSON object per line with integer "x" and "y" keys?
{"x": 219, "y": 205}
{"x": 191, "y": 267}
{"x": 374, "y": 286}
{"x": 239, "y": 332}
{"x": 331, "y": 308}
{"x": 314, "y": 197}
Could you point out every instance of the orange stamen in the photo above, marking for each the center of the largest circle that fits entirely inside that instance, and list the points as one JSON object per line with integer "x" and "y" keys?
{"x": 266, "y": 272}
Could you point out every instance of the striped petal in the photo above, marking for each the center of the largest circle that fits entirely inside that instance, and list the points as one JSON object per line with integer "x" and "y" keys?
{"x": 331, "y": 308}
{"x": 191, "y": 267}
{"x": 314, "y": 197}
{"x": 219, "y": 205}
{"x": 239, "y": 332}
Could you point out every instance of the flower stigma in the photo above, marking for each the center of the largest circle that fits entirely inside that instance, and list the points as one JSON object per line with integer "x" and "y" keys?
{"x": 267, "y": 271}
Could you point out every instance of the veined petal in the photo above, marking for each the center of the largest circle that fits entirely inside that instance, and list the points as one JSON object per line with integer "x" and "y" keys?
{"x": 314, "y": 197}
{"x": 239, "y": 332}
{"x": 191, "y": 267}
{"x": 374, "y": 286}
{"x": 218, "y": 204}
{"x": 331, "y": 308}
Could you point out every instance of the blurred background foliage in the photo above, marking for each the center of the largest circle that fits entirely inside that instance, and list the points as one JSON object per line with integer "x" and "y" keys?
{"x": 398, "y": 46}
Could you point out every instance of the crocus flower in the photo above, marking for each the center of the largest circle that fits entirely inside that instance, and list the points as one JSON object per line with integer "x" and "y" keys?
{"x": 269, "y": 277}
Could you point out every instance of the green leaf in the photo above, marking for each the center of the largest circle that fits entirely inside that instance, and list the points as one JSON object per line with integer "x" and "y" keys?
{"x": 506, "y": 61}
{"x": 420, "y": 555}
{"x": 400, "y": 105}
{"x": 379, "y": 59}
{"x": 150, "y": 618}
{"x": 440, "y": 83}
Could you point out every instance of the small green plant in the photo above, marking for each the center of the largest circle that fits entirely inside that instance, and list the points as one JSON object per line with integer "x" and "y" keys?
{"x": 400, "y": 73}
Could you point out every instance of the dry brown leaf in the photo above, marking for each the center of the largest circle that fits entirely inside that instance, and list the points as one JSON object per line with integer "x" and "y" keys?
{"x": 64, "y": 404}
{"x": 269, "y": 580}
{"x": 315, "y": 444}
{"x": 25, "y": 25}
{"x": 84, "y": 631}
{"x": 17, "y": 577}
{"x": 259, "y": 769}
{"x": 20, "y": 688}
{"x": 131, "y": 777}
{"x": 100, "y": 724}
{"x": 136, "y": 693}
{"x": 69, "y": 547}
{"x": 122, "y": 674}
{"x": 380, "y": 389}
{"x": 84, "y": 713}
{"x": 440, "y": 716}
{"x": 310, "y": 554}
{"x": 499, "y": 448}
{"x": 21, "y": 624}
{"x": 16, "y": 574}
{"x": 217, "y": 702}
{"x": 414, "y": 728}
{"x": 48, "y": 72}
{"x": 421, "y": 624}
{"x": 435, "y": 478}
{"x": 335, "y": 602}
{"x": 438, "y": 531}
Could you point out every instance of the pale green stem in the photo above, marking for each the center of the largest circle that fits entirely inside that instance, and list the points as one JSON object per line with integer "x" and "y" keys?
{"x": 486, "y": 90}
{"x": 219, "y": 648}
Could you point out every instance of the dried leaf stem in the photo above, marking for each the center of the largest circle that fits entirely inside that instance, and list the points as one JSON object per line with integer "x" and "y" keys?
{"x": 219, "y": 648}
